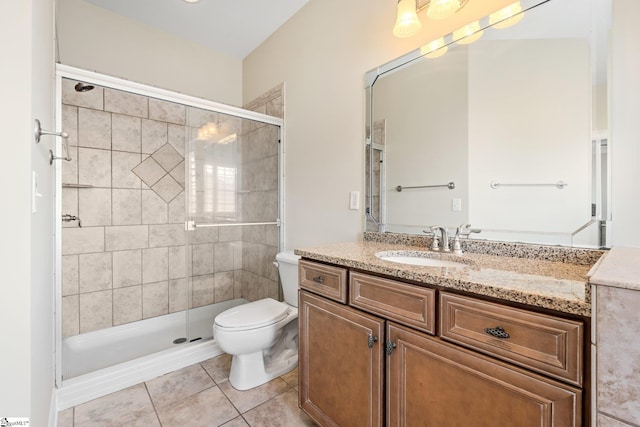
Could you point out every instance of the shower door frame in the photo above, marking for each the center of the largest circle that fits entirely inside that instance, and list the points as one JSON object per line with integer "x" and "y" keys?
{"x": 65, "y": 71}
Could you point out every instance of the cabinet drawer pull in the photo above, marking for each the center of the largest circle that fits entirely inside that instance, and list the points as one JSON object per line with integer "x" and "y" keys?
{"x": 372, "y": 340}
{"x": 390, "y": 347}
{"x": 318, "y": 279}
{"x": 497, "y": 332}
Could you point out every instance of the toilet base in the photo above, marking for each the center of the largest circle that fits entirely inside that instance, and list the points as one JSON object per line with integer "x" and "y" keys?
{"x": 254, "y": 369}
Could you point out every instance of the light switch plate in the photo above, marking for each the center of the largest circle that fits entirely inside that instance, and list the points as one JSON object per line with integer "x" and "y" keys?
{"x": 354, "y": 200}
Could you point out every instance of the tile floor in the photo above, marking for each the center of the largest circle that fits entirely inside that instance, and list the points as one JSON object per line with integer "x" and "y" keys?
{"x": 198, "y": 395}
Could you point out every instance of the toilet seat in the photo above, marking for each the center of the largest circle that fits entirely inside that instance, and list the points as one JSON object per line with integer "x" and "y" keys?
{"x": 252, "y": 315}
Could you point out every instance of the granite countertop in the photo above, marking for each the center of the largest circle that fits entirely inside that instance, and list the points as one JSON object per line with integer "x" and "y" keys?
{"x": 555, "y": 285}
{"x": 620, "y": 268}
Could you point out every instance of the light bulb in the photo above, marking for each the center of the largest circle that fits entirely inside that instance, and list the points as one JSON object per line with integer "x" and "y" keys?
{"x": 442, "y": 9}
{"x": 407, "y": 22}
{"x": 468, "y": 34}
{"x": 434, "y": 48}
{"x": 507, "y": 16}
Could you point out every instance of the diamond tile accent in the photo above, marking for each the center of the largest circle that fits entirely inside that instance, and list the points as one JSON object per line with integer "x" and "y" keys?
{"x": 178, "y": 173}
{"x": 167, "y": 157}
{"x": 149, "y": 171}
{"x": 167, "y": 188}
{"x": 163, "y": 172}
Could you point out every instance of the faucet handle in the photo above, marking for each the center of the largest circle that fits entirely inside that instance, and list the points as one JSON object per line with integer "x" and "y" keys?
{"x": 433, "y": 231}
{"x": 465, "y": 230}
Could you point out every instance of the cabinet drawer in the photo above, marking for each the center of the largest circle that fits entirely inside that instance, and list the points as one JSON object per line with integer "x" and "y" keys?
{"x": 543, "y": 343}
{"x": 325, "y": 280}
{"x": 407, "y": 304}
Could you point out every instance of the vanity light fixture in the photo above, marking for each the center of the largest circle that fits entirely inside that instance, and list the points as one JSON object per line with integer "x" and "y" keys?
{"x": 434, "y": 48}
{"x": 192, "y": 1}
{"x": 407, "y": 22}
{"x": 507, "y": 16}
{"x": 468, "y": 34}
{"x": 442, "y": 9}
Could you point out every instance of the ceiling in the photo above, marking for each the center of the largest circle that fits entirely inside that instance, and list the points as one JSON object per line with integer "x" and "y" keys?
{"x": 234, "y": 27}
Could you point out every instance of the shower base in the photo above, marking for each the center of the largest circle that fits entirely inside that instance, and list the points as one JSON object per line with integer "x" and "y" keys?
{"x": 92, "y": 351}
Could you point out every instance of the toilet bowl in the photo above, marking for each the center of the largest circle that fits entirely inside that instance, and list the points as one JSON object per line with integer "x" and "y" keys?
{"x": 262, "y": 336}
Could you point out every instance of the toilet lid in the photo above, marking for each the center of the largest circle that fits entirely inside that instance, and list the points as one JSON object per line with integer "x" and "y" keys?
{"x": 252, "y": 315}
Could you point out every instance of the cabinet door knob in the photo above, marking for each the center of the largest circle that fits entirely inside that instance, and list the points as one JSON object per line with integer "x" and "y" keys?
{"x": 497, "y": 332}
{"x": 390, "y": 347}
{"x": 318, "y": 279}
{"x": 372, "y": 340}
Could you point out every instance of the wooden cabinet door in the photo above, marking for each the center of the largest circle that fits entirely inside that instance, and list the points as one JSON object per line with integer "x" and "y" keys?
{"x": 436, "y": 384}
{"x": 340, "y": 364}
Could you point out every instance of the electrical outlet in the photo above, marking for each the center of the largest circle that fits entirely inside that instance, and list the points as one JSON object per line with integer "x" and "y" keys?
{"x": 354, "y": 200}
{"x": 456, "y": 204}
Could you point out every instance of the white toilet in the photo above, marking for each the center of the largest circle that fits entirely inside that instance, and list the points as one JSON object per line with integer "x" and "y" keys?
{"x": 262, "y": 336}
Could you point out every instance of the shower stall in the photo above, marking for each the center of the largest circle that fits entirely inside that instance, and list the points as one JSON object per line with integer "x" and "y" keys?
{"x": 168, "y": 212}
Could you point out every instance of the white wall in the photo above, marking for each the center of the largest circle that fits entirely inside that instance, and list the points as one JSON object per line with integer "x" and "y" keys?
{"x": 26, "y": 256}
{"x": 322, "y": 54}
{"x": 98, "y": 40}
{"x": 625, "y": 123}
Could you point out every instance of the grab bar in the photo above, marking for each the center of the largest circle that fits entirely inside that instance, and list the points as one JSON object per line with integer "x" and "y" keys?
{"x": 559, "y": 185}
{"x": 450, "y": 186}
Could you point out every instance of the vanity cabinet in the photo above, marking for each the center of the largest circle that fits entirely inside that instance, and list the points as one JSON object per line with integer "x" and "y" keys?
{"x": 385, "y": 358}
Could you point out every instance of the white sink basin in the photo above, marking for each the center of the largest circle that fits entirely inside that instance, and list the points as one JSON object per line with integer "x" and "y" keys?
{"x": 426, "y": 259}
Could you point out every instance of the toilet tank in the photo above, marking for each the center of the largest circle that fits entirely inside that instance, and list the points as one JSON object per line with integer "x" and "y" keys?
{"x": 288, "y": 269}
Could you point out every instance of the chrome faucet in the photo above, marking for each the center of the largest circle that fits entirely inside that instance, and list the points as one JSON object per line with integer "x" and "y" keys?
{"x": 444, "y": 236}
{"x": 462, "y": 230}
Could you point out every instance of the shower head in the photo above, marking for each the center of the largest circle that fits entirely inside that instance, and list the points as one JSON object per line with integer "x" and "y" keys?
{"x": 83, "y": 87}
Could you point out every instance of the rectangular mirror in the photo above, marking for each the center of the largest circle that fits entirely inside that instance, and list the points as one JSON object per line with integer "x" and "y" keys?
{"x": 508, "y": 133}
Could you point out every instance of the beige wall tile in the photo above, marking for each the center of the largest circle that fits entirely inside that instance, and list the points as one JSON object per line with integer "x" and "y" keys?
{"x": 165, "y": 111}
{"x": 155, "y": 299}
{"x": 223, "y": 286}
{"x": 202, "y": 288}
{"x": 154, "y": 209}
{"x": 70, "y": 275}
{"x": 117, "y": 101}
{"x": 124, "y": 237}
{"x": 127, "y": 206}
{"x": 149, "y": 171}
{"x": 166, "y": 235}
{"x": 94, "y": 167}
{"x": 204, "y": 235}
{"x": 154, "y": 135}
{"x": 155, "y": 265}
{"x": 70, "y": 169}
{"x": 127, "y": 304}
{"x": 96, "y": 311}
{"x": 223, "y": 256}
{"x": 178, "y": 295}
{"x": 177, "y": 173}
{"x": 122, "y": 175}
{"x": 95, "y": 272}
{"x": 94, "y": 129}
{"x": 167, "y": 188}
{"x": 127, "y": 268}
{"x": 82, "y": 240}
{"x": 70, "y": 123}
{"x": 176, "y": 137}
{"x": 94, "y": 206}
{"x": 177, "y": 209}
{"x": 177, "y": 262}
{"x": 167, "y": 157}
{"x": 90, "y": 99}
{"x": 70, "y": 315}
{"x": 126, "y": 133}
{"x": 202, "y": 259}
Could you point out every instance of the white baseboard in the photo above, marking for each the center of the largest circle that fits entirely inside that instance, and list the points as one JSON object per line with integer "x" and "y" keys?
{"x": 100, "y": 383}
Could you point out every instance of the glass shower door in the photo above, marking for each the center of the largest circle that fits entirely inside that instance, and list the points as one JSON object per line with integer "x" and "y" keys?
{"x": 233, "y": 208}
